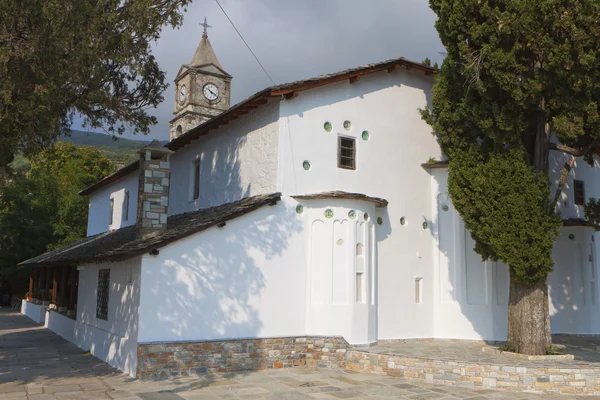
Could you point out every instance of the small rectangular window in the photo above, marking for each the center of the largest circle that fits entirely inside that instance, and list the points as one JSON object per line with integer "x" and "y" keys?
{"x": 346, "y": 153}
{"x": 126, "y": 206}
{"x": 579, "y": 190}
{"x": 196, "y": 193}
{"x": 102, "y": 295}
{"x": 111, "y": 210}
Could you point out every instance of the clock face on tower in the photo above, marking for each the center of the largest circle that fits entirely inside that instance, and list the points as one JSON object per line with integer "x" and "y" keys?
{"x": 210, "y": 91}
{"x": 182, "y": 92}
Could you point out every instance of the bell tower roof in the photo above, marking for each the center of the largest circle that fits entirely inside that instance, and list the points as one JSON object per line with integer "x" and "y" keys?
{"x": 204, "y": 53}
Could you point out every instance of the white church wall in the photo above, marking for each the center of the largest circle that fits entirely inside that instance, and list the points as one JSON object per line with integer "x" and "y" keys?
{"x": 472, "y": 299}
{"x": 388, "y": 165}
{"x": 244, "y": 280}
{"x": 238, "y": 160}
{"x": 99, "y": 205}
{"x": 573, "y": 284}
{"x": 471, "y": 295}
{"x": 114, "y": 340}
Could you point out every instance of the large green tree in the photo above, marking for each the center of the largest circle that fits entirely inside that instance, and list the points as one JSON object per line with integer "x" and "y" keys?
{"x": 521, "y": 79}
{"x": 41, "y": 210}
{"x": 91, "y": 57}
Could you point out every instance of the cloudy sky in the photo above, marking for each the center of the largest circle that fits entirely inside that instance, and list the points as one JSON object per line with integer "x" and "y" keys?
{"x": 295, "y": 39}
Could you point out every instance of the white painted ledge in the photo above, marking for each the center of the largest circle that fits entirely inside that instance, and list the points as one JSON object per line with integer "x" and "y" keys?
{"x": 60, "y": 324}
{"x": 33, "y": 311}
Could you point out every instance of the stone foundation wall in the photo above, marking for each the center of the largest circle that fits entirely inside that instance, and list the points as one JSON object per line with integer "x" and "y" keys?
{"x": 584, "y": 381}
{"x": 161, "y": 360}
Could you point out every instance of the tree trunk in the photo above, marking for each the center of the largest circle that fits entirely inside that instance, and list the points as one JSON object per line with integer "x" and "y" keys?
{"x": 529, "y": 317}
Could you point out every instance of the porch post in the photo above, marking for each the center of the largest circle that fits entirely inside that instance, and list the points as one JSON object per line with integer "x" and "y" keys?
{"x": 44, "y": 286}
{"x": 63, "y": 287}
{"x": 54, "y": 284}
{"x": 73, "y": 295}
{"x": 31, "y": 280}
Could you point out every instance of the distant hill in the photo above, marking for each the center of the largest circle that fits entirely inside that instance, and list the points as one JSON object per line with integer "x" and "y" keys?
{"x": 119, "y": 150}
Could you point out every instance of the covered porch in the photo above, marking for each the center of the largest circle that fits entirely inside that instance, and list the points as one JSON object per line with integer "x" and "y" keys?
{"x": 51, "y": 288}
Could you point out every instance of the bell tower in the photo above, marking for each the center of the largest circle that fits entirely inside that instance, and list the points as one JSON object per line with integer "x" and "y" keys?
{"x": 202, "y": 89}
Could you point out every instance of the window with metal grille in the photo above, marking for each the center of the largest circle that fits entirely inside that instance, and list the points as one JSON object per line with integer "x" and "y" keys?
{"x": 111, "y": 209}
{"x": 102, "y": 296}
{"x": 579, "y": 190}
{"x": 126, "y": 206}
{"x": 346, "y": 153}
{"x": 196, "y": 179}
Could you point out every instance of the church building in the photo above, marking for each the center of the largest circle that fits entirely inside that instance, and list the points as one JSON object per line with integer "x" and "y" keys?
{"x": 308, "y": 218}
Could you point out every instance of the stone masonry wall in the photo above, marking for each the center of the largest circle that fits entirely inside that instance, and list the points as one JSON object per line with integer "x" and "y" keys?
{"x": 153, "y": 190}
{"x": 583, "y": 381}
{"x": 161, "y": 360}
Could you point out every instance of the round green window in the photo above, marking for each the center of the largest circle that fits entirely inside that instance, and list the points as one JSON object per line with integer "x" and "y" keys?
{"x": 306, "y": 165}
{"x": 380, "y": 220}
{"x": 403, "y": 221}
{"x": 327, "y": 126}
{"x": 365, "y": 135}
{"x": 299, "y": 208}
{"x": 347, "y": 125}
{"x": 352, "y": 214}
{"x": 328, "y": 213}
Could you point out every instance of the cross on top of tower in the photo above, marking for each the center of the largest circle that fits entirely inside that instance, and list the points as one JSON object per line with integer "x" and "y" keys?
{"x": 206, "y": 26}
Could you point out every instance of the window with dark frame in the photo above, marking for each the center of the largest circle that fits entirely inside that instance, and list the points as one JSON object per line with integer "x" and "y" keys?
{"x": 346, "y": 152}
{"x": 196, "y": 193}
{"x": 102, "y": 296}
{"x": 126, "y": 206}
{"x": 579, "y": 191}
{"x": 111, "y": 209}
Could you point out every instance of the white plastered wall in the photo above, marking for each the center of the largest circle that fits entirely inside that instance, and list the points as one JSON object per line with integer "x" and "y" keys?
{"x": 574, "y": 304}
{"x": 244, "y": 280}
{"x": 471, "y": 295}
{"x": 99, "y": 205}
{"x": 114, "y": 340}
{"x": 388, "y": 166}
{"x": 237, "y": 160}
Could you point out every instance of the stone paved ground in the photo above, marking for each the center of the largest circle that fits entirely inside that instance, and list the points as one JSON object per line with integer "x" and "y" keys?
{"x": 35, "y": 364}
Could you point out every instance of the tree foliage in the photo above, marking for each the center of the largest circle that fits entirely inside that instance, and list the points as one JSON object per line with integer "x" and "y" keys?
{"x": 516, "y": 71}
{"x": 42, "y": 210}
{"x": 92, "y": 57}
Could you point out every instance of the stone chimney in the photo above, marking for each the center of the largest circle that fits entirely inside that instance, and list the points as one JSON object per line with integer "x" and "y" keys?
{"x": 153, "y": 190}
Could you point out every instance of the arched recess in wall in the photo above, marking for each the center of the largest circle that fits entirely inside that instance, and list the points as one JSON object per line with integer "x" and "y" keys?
{"x": 179, "y": 130}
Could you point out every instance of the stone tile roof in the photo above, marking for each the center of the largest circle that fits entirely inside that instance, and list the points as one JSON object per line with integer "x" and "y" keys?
{"x": 286, "y": 91}
{"x": 123, "y": 243}
{"x": 379, "y": 202}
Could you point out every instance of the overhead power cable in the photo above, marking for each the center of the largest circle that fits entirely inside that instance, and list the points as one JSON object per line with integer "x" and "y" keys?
{"x": 243, "y": 40}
